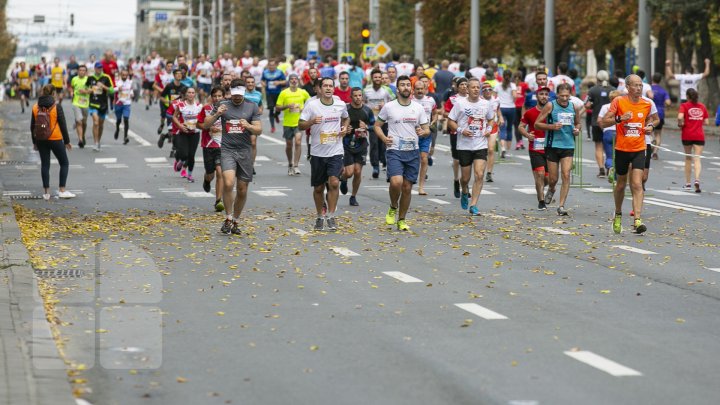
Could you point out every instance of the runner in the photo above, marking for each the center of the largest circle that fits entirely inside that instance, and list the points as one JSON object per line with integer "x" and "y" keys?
{"x": 204, "y": 71}
{"x": 343, "y": 90}
{"x": 487, "y": 93}
{"x": 406, "y": 123}
{"x": 185, "y": 117}
{"x": 522, "y": 89}
{"x": 632, "y": 116}
{"x": 124, "y": 95}
{"x": 609, "y": 134}
{"x": 688, "y": 80}
{"x": 58, "y": 78}
{"x": 170, "y": 92}
{"x": 162, "y": 79}
{"x": 72, "y": 69}
{"x": 506, "y": 92}
{"x": 536, "y": 145}
{"x": 327, "y": 118}
{"x": 137, "y": 75}
{"x": 102, "y": 87}
{"x": 661, "y": 100}
{"x": 292, "y": 100}
{"x": 211, "y": 140}
{"x": 691, "y": 117}
{"x": 24, "y": 85}
{"x": 598, "y": 96}
{"x": 80, "y": 102}
{"x": 471, "y": 118}
{"x": 274, "y": 81}
{"x": 355, "y": 143}
{"x": 149, "y": 70}
{"x": 376, "y": 96}
{"x": 562, "y": 123}
{"x": 424, "y": 143}
{"x": 240, "y": 122}
{"x": 460, "y": 89}
{"x": 253, "y": 95}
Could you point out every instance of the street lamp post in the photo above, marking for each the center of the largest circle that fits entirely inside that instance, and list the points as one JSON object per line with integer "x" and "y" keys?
{"x": 549, "y": 49}
{"x": 288, "y": 28}
{"x": 341, "y": 27}
{"x": 474, "y": 32}
{"x": 644, "y": 36}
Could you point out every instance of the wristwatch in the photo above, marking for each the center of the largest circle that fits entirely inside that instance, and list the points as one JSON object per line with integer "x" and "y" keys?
{"x": 618, "y": 119}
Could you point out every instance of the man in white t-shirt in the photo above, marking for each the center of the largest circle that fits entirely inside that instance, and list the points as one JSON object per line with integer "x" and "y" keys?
{"x": 688, "y": 80}
{"x": 472, "y": 118}
{"x": 561, "y": 77}
{"x": 407, "y": 122}
{"x": 328, "y": 120}
{"x": 404, "y": 68}
{"x": 246, "y": 60}
{"x": 204, "y": 75}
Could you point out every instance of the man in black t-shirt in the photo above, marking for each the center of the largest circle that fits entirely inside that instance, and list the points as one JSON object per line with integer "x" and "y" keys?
{"x": 355, "y": 142}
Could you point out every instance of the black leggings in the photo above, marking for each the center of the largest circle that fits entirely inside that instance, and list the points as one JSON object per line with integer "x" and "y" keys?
{"x": 58, "y": 149}
{"x": 186, "y": 145}
{"x": 271, "y": 102}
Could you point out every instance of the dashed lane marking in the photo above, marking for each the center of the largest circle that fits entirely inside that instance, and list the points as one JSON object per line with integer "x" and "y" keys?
{"x": 116, "y": 166}
{"x": 298, "y": 232}
{"x": 603, "y": 364}
{"x": 199, "y": 194}
{"x": 135, "y": 195}
{"x": 715, "y": 269}
{"x": 555, "y": 230}
{"x": 405, "y": 278}
{"x": 682, "y": 206}
{"x": 105, "y": 160}
{"x": 529, "y": 191}
{"x": 261, "y": 158}
{"x": 271, "y": 139}
{"x": 270, "y": 193}
{"x": 634, "y": 249}
{"x": 677, "y": 192}
{"x": 438, "y": 201}
{"x": 482, "y": 312}
{"x": 344, "y": 251}
{"x": 160, "y": 159}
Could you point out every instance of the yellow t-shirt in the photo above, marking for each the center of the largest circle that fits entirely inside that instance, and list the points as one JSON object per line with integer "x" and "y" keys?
{"x": 291, "y": 116}
{"x": 56, "y": 76}
{"x": 24, "y": 80}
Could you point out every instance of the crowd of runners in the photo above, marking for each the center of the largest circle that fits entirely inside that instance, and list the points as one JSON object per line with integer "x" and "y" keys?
{"x": 392, "y": 112}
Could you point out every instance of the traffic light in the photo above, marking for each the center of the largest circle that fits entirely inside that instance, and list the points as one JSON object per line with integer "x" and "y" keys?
{"x": 72, "y": 20}
{"x": 365, "y": 33}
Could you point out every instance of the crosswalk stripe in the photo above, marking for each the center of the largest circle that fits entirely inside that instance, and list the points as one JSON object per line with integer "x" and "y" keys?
{"x": 482, "y": 312}
{"x": 405, "y": 278}
{"x": 602, "y": 363}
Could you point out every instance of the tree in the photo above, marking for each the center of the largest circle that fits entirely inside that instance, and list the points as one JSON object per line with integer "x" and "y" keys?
{"x": 7, "y": 51}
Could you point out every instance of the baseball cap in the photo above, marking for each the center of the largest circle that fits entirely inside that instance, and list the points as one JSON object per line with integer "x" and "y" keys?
{"x": 237, "y": 91}
{"x": 545, "y": 88}
{"x": 486, "y": 85}
{"x": 98, "y": 65}
{"x": 460, "y": 79}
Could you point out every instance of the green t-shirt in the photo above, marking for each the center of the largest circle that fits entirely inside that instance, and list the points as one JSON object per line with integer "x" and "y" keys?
{"x": 80, "y": 100}
{"x": 291, "y": 116}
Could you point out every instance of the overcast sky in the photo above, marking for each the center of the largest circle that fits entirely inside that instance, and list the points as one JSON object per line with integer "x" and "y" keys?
{"x": 94, "y": 19}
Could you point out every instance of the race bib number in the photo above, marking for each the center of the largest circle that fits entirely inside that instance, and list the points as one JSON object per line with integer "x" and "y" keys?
{"x": 361, "y": 133}
{"x": 295, "y": 109}
{"x": 328, "y": 138}
{"x": 96, "y": 90}
{"x": 566, "y": 118}
{"x": 539, "y": 144}
{"x": 191, "y": 124}
{"x": 234, "y": 127}
{"x": 406, "y": 144}
{"x": 476, "y": 125}
{"x": 57, "y": 77}
{"x": 633, "y": 129}
{"x": 174, "y": 97}
{"x": 83, "y": 99}
{"x": 271, "y": 85}
{"x": 125, "y": 94}
{"x": 24, "y": 81}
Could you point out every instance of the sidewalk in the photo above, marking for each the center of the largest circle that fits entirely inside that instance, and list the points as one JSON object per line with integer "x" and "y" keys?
{"x": 31, "y": 371}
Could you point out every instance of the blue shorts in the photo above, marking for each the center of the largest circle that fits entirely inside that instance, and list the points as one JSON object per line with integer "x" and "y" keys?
{"x": 403, "y": 163}
{"x": 122, "y": 110}
{"x": 93, "y": 111}
{"x": 424, "y": 143}
{"x": 206, "y": 87}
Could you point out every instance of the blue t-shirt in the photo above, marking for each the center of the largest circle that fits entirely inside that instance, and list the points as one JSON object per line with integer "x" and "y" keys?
{"x": 356, "y": 77}
{"x": 327, "y": 71}
{"x": 659, "y": 97}
{"x": 563, "y": 138}
{"x": 188, "y": 82}
{"x": 268, "y": 77}
{"x": 531, "y": 99}
{"x": 254, "y": 96}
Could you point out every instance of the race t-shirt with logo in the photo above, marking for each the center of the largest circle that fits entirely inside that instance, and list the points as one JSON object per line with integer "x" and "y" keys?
{"x": 210, "y": 138}
{"x": 149, "y": 72}
{"x": 325, "y": 137}
{"x": 172, "y": 92}
{"x": 556, "y": 80}
{"x": 235, "y": 136}
{"x": 269, "y": 78}
{"x": 204, "y": 72}
{"x": 291, "y": 116}
{"x": 688, "y": 82}
{"x": 56, "y": 76}
{"x": 694, "y": 116}
{"x": 599, "y": 96}
{"x": 189, "y": 114}
{"x": 631, "y": 134}
{"x": 99, "y": 97}
{"x": 376, "y": 98}
{"x": 357, "y": 140}
{"x": 531, "y": 99}
{"x": 136, "y": 69}
{"x": 254, "y": 96}
{"x": 659, "y": 98}
{"x": 529, "y": 118}
{"x": 80, "y": 100}
{"x": 562, "y": 138}
{"x": 124, "y": 91}
{"x": 72, "y": 69}
{"x": 402, "y": 123}
{"x": 428, "y": 104}
{"x": 473, "y": 116}
{"x": 505, "y": 95}
{"x": 23, "y": 77}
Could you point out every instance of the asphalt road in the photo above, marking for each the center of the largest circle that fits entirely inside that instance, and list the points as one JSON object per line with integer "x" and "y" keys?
{"x": 514, "y": 307}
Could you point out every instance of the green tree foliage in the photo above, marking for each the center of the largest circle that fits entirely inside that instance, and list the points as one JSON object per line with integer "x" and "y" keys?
{"x": 7, "y": 50}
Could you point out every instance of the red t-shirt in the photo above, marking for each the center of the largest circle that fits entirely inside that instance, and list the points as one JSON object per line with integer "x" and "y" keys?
{"x": 529, "y": 119}
{"x": 110, "y": 68}
{"x": 345, "y": 96}
{"x": 522, "y": 88}
{"x": 206, "y": 140}
{"x": 694, "y": 116}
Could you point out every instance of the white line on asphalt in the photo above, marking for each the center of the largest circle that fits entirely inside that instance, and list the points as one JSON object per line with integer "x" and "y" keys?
{"x": 681, "y": 206}
{"x": 603, "y": 364}
{"x": 495, "y": 216}
{"x": 137, "y": 138}
{"x": 485, "y": 192}
{"x": 21, "y": 192}
{"x": 276, "y": 188}
{"x": 482, "y": 312}
{"x": 634, "y": 249}
{"x": 161, "y": 159}
{"x": 119, "y": 190}
{"x": 270, "y": 193}
{"x": 105, "y": 160}
{"x": 261, "y": 158}
{"x": 271, "y": 139}
{"x": 298, "y": 232}
{"x": 116, "y": 166}
{"x": 528, "y": 191}
{"x": 555, "y": 230}
{"x": 442, "y": 148}
{"x": 173, "y": 190}
{"x": 676, "y": 192}
{"x": 715, "y": 269}
{"x": 344, "y": 251}
{"x": 678, "y": 163}
{"x": 135, "y": 195}
{"x": 438, "y": 201}
{"x": 405, "y": 278}
{"x": 199, "y": 194}
{"x": 523, "y": 157}
{"x": 598, "y": 189}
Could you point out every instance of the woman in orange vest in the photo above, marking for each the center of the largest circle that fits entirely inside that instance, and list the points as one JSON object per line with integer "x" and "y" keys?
{"x": 57, "y": 141}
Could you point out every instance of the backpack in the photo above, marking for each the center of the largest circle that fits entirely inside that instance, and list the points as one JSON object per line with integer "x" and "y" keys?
{"x": 43, "y": 130}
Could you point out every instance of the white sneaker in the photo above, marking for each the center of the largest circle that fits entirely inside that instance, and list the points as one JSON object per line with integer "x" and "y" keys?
{"x": 46, "y": 197}
{"x": 66, "y": 194}
{"x": 291, "y": 172}
{"x": 96, "y": 148}
{"x": 296, "y": 171}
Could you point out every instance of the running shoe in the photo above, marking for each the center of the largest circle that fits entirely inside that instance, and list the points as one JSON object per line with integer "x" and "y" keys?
{"x": 66, "y": 194}
{"x": 291, "y": 172}
{"x": 456, "y": 188}
{"x": 226, "y": 226}
{"x": 81, "y": 144}
{"x": 502, "y": 154}
{"x": 219, "y": 206}
{"x": 601, "y": 174}
{"x": 206, "y": 186}
{"x": 296, "y": 171}
{"x": 147, "y": 108}
{"x": 319, "y": 224}
{"x": 160, "y": 128}
{"x": 522, "y": 146}
{"x": 687, "y": 187}
{"x": 542, "y": 206}
{"x": 464, "y": 201}
{"x": 430, "y": 161}
{"x": 161, "y": 139}
{"x": 390, "y": 216}
{"x": 562, "y": 211}
{"x": 632, "y": 213}
{"x": 474, "y": 210}
{"x": 353, "y": 201}
{"x": 126, "y": 140}
{"x": 376, "y": 172}
{"x": 402, "y": 225}
{"x": 331, "y": 224}
{"x": 343, "y": 187}
{"x": 639, "y": 227}
{"x": 272, "y": 130}
{"x": 46, "y": 197}
{"x": 549, "y": 196}
{"x": 183, "y": 173}
{"x": 655, "y": 156}
{"x": 177, "y": 166}
{"x": 235, "y": 230}
{"x": 617, "y": 223}
{"x": 488, "y": 177}
{"x": 517, "y": 147}
{"x": 190, "y": 178}
{"x": 697, "y": 186}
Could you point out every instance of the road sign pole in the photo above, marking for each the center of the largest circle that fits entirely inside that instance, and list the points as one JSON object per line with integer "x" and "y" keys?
{"x": 341, "y": 27}
{"x": 419, "y": 33}
{"x": 549, "y": 50}
{"x": 474, "y": 32}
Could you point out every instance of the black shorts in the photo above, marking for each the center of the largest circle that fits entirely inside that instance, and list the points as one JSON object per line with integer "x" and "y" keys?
{"x": 322, "y": 168}
{"x": 623, "y": 160}
{"x": 597, "y": 134}
{"x": 688, "y": 143}
{"x": 467, "y": 157}
{"x": 555, "y": 154}
{"x": 211, "y": 159}
{"x": 538, "y": 161}
{"x": 59, "y": 90}
{"x": 25, "y": 93}
{"x": 648, "y": 155}
{"x": 147, "y": 85}
{"x": 352, "y": 157}
{"x": 453, "y": 146}
{"x": 661, "y": 124}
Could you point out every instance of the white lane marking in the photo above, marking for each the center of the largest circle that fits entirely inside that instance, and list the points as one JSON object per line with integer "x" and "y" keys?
{"x": 634, "y": 249}
{"x": 681, "y": 206}
{"x": 116, "y": 166}
{"x": 105, "y": 160}
{"x": 677, "y": 192}
{"x": 261, "y": 158}
{"x": 173, "y": 190}
{"x": 442, "y": 148}
{"x": 555, "y": 230}
{"x": 678, "y": 163}
{"x": 405, "y": 278}
{"x": 482, "y": 312}
{"x": 438, "y": 201}
{"x": 271, "y": 139}
{"x": 485, "y": 192}
{"x": 159, "y": 165}
{"x": 156, "y": 159}
{"x": 19, "y": 192}
{"x": 298, "y": 232}
{"x": 135, "y": 195}
{"x": 715, "y": 269}
{"x": 119, "y": 190}
{"x": 281, "y": 188}
{"x": 199, "y": 194}
{"x": 270, "y": 193}
{"x": 603, "y": 364}
{"x": 344, "y": 251}
{"x": 496, "y": 216}
{"x": 598, "y": 189}
{"x": 523, "y": 157}
{"x": 137, "y": 138}
{"x": 528, "y": 191}
{"x": 523, "y": 402}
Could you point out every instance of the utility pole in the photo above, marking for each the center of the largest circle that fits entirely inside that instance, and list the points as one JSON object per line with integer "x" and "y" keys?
{"x": 232, "y": 26}
{"x": 201, "y": 43}
{"x": 288, "y": 28}
{"x": 374, "y": 19}
{"x": 221, "y": 28}
{"x": 474, "y": 32}
{"x": 190, "y": 29}
{"x": 267, "y": 30}
{"x": 644, "y": 37}
{"x": 341, "y": 28}
{"x": 549, "y": 48}
{"x": 419, "y": 34}
{"x": 213, "y": 25}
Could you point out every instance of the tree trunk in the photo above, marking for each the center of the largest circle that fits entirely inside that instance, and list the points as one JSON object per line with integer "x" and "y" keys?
{"x": 600, "y": 58}
{"x": 661, "y": 53}
{"x": 618, "y": 54}
{"x": 712, "y": 98}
